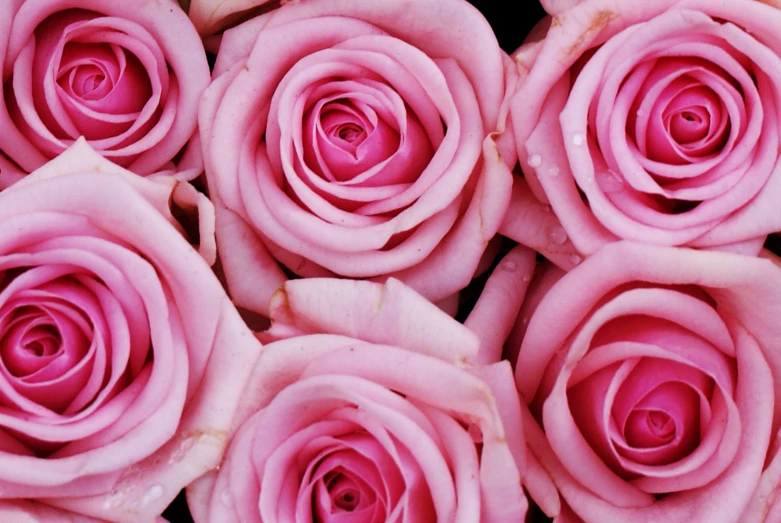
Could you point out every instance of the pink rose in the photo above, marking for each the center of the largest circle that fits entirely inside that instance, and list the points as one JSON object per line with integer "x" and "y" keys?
{"x": 125, "y": 75}
{"x": 653, "y": 378}
{"x": 654, "y": 121}
{"x": 334, "y": 429}
{"x": 121, "y": 357}
{"x": 356, "y": 139}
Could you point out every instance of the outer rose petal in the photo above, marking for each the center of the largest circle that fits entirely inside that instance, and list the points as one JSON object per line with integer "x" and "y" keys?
{"x": 745, "y": 291}
{"x": 24, "y": 511}
{"x": 389, "y": 313}
{"x": 765, "y": 504}
{"x": 138, "y": 471}
{"x": 210, "y": 16}
{"x": 496, "y": 310}
{"x": 153, "y": 150}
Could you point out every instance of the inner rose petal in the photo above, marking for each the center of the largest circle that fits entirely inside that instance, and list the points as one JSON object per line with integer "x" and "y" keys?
{"x": 67, "y": 311}
{"x": 690, "y": 126}
{"x": 664, "y": 426}
{"x": 342, "y": 490}
{"x": 648, "y": 428}
{"x": 29, "y": 344}
{"x": 392, "y": 152}
{"x": 113, "y": 82}
{"x": 351, "y": 138}
{"x": 366, "y": 60}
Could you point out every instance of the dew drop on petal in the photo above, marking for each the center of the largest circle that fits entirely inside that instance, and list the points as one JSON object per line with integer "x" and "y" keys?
{"x": 535, "y": 161}
{"x": 227, "y": 498}
{"x": 552, "y": 171}
{"x": 153, "y": 493}
{"x": 575, "y": 259}
{"x": 509, "y": 266}
{"x": 113, "y": 500}
{"x": 578, "y": 139}
{"x": 558, "y": 235}
{"x": 182, "y": 450}
{"x": 525, "y": 277}
{"x": 610, "y": 182}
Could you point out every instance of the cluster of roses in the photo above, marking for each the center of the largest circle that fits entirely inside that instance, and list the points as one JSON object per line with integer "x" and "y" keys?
{"x": 242, "y": 280}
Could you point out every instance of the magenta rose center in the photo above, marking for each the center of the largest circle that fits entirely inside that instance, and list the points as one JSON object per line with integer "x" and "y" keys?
{"x": 680, "y": 116}
{"x": 345, "y": 479}
{"x": 649, "y": 428}
{"x": 343, "y": 489}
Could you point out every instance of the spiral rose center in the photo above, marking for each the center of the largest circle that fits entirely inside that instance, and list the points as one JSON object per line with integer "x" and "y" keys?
{"x": 349, "y": 137}
{"x": 91, "y": 76}
{"x": 88, "y": 81}
{"x": 343, "y": 489}
{"x": 105, "y": 78}
{"x": 689, "y": 125}
{"x": 345, "y": 495}
{"x": 351, "y": 133}
{"x": 649, "y": 428}
{"x": 681, "y": 117}
{"x": 52, "y": 328}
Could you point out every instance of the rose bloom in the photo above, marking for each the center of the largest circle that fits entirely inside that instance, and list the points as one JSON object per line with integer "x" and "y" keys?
{"x": 351, "y": 138}
{"x": 337, "y": 429}
{"x": 654, "y": 121}
{"x": 652, "y": 375}
{"x": 125, "y": 75}
{"x": 121, "y": 357}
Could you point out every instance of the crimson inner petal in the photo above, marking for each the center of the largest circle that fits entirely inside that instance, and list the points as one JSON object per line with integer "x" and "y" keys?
{"x": 649, "y": 428}
{"x": 27, "y": 348}
{"x": 666, "y": 420}
{"x": 344, "y": 493}
{"x": 689, "y": 125}
{"x": 341, "y": 491}
{"x": 350, "y": 140}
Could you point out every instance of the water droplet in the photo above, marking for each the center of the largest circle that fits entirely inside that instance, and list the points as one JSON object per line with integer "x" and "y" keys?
{"x": 575, "y": 259}
{"x": 525, "y": 277}
{"x": 180, "y": 452}
{"x": 227, "y": 498}
{"x": 610, "y": 182}
{"x": 113, "y": 500}
{"x": 552, "y": 171}
{"x": 535, "y": 161}
{"x": 578, "y": 139}
{"x": 509, "y": 266}
{"x": 558, "y": 235}
{"x": 153, "y": 493}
